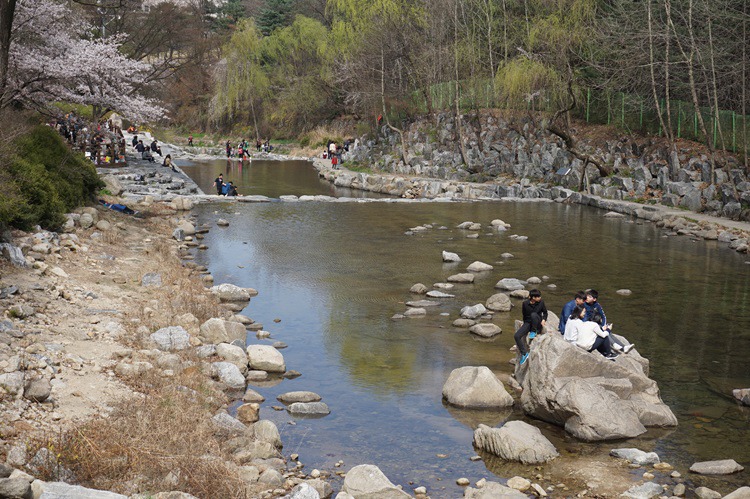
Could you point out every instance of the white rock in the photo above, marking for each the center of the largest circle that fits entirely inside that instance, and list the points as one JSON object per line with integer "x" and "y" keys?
{"x": 450, "y": 257}
{"x": 479, "y": 267}
{"x": 265, "y": 358}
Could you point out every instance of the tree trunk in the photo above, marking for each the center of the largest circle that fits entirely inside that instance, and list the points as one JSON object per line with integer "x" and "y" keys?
{"x": 7, "y": 10}
{"x": 457, "y": 112}
{"x": 652, "y": 63}
{"x": 385, "y": 114}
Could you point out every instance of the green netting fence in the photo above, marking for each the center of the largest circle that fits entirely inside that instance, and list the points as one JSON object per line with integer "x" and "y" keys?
{"x": 633, "y": 113}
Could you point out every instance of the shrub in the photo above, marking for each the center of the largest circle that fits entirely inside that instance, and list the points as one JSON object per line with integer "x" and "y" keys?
{"x": 41, "y": 179}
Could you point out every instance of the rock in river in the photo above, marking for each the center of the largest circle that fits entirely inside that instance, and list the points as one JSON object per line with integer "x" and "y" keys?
{"x": 722, "y": 467}
{"x": 450, "y": 257}
{"x": 479, "y": 267}
{"x": 500, "y": 302}
{"x": 309, "y": 409}
{"x": 265, "y": 358}
{"x": 509, "y": 284}
{"x": 473, "y": 311}
{"x": 485, "y": 329}
{"x": 475, "y": 387}
{"x": 461, "y": 278}
{"x": 299, "y": 396}
{"x": 515, "y": 441}
{"x": 367, "y": 481}
{"x": 635, "y": 456}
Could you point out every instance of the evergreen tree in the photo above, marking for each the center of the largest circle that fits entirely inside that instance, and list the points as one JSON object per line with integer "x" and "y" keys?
{"x": 276, "y": 14}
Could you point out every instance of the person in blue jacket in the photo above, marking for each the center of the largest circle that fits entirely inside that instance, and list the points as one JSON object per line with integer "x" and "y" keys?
{"x": 578, "y": 300}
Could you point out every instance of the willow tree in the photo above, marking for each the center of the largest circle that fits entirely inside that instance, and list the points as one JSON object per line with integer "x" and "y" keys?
{"x": 375, "y": 45}
{"x": 548, "y": 68}
{"x": 240, "y": 79}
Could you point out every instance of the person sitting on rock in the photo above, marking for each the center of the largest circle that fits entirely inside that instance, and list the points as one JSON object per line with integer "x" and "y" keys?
{"x": 534, "y": 319}
{"x": 135, "y": 141}
{"x": 578, "y": 299}
{"x": 155, "y": 147}
{"x": 587, "y": 334}
{"x": 231, "y": 190}
{"x": 595, "y": 313}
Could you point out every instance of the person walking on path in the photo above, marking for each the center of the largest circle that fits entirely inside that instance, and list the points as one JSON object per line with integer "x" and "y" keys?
{"x": 534, "y": 319}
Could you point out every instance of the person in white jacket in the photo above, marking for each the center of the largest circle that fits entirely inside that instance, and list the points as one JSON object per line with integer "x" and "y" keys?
{"x": 587, "y": 335}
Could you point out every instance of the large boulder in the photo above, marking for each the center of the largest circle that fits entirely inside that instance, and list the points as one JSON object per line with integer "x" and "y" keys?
{"x": 515, "y": 441}
{"x": 722, "y": 467}
{"x": 220, "y": 331}
{"x": 499, "y": 302}
{"x": 592, "y": 397}
{"x": 265, "y": 358}
{"x": 475, "y": 387}
{"x": 171, "y": 338}
{"x": 366, "y": 481}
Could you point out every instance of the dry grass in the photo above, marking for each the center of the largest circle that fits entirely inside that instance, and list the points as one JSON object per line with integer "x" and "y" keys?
{"x": 161, "y": 441}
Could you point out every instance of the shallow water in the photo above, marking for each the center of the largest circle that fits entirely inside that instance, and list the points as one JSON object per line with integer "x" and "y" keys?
{"x": 335, "y": 273}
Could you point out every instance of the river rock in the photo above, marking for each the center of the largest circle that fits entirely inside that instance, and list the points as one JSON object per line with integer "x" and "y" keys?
{"x": 463, "y": 322}
{"x": 439, "y": 294}
{"x": 309, "y": 409}
{"x": 151, "y": 279}
{"x": 266, "y": 431}
{"x": 509, "y": 284}
{"x": 493, "y": 490}
{"x": 721, "y": 467}
{"x": 443, "y": 285}
{"x": 86, "y": 220}
{"x": 21, "y": 311}
{"x": 519, "y": 483}
{"x": 37, "y": 390}
{"x": 299, "y": 396}
{"x": 422, "y": 303}
{"x": 234, "y": 354}
{"x": 323, "y": 487}
{"x": 741, "y": 493}
{"x": 248, "y": 413}
{"x": 473, "y": 311}
{"x": 265, "y": 358}
{"x": 415, "y": 312}
{"x": 230, "y": 293}
{"x": 485, "y": 329}
{"x": 635, "y": 456}
{"x": 515, "y": 441}
{"x": 61, "y": 490}
{"x": 592, "y": 397}
{"x": 12, "y": 383}
{"x": 271, "y": 477}
{"x": 461, "y": 278}
{"x": 624, "y": 292}
{"x": 418, "y": 289}
{"x": 520, "y": 294}
{"x": 303, "y": 491}
{"x": 479, "y": 267}
{"x": 366, "y": 481}
{"x": 252, "y": 396}
{"x": 170, "y": 339}
{"x": 450, "y": 257}
{"x": 706, "y": 493}
{"x": 15, "y": 488}
{"x": 476, "y": 388}
{"x": 222, "y": 223}
{"x": 186, "y": 227}
{"x": 220, "y": 331}
{"x": 499, "y": 302}
{"x": 229, "y": 374}
{"x": 743, "y": 395}
{"x": 645, "y": 491}
{"x": 499, "y": 223}
{"x": 226, "y": 425}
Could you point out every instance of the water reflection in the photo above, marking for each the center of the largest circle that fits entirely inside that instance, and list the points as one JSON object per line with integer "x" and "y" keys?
{"x": 335, "y": 274}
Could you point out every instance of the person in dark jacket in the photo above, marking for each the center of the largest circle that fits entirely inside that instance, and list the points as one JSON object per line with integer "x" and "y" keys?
{"x": 595, "y": 313}
{"x": 534, "y": 319}
{"x": 577, "y": 300}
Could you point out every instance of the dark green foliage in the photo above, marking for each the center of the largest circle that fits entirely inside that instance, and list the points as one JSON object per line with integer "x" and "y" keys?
{"x": 42, "y": 180}
{"x": 276, "y": 14}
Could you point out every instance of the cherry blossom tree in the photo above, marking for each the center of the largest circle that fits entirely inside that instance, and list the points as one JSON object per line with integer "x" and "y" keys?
{"x": 53, "y": 57}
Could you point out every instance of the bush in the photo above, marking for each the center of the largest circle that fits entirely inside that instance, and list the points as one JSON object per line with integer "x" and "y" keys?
{"x": 42, "y": 179}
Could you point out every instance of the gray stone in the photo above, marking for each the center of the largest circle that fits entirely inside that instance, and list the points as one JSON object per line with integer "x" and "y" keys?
{"x": 461, "y": 278}
{"x": 220, "y": 331}
{"x": 515, "y": 441}
{"x": 299, "y": 396}
{"x": 271, "y": 477}
{"x": 464, "y": 322}
{"x": 645, "y": 491}
{"x": 303, "y": 491}
{"x": 12, "y": 383}
{"x": 475, "y": 387}
{"x": 230, "y": 293}
{"x": 568, "y": 386}
{"x": 418, "y": 289}
{"x": 248, "y": 413}
{"x": 37, "y": 390}
{"x": 636, "y": 456}
{"x": 415, "y": 312}
{"x": 15, "y": 488}
{"x": 473, "y": 311}
{"x": 679, "y": 490}
{"x": 492, "y": 490}
{"x": 265, "y": 358}
{"x": 225, "y": 424}
{"x": 721, "y": 467}
{"x": 509, "y": 284}
{"x": 521, "y": 294}
{"x": 252, "y": 396}
{"x": 21, "y": 311}
{"x": 5, "y": 470}
{"x": 234, "y": 354}
{"x": 706, "y": 493}
{"x": 422, "y": 303}
{"x": 741, "y": 493}
{"x": 485, "y": 329}
{"x": 479, "y": 267}
{"x": 309, "y": 409}
{"x": 86, "y": 221}
{"x": 324, "y": 488}
{"x": 366, "y": 481}
{"x": 439, "y": 294}
{"x": 266, "y": 431}
{"x": 60, "y": 490}
{"x": 450, "y": 257}
{"x": 151, "y": 279}
{"x": 229, "y": 374}
{"x": 499, "y": 302}
{"x": 743, "y": 395}
{"x": 172, "y": 338}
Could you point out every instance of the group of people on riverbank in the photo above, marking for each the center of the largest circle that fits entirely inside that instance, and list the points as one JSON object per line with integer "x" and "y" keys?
{"x": 224, "y": 188}
{"x": 103, "y": 142}
{"x": 147, "y": 150}
{"x": 334, "y": 151}
{"x": 582, "y": 322}
{"x": 242, "y": 151}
